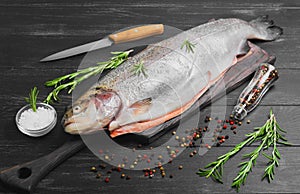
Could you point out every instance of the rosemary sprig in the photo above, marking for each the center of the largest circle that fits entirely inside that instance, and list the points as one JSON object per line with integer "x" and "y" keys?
{"x": 275, "y": 155}
{"x": 32, "y": 98}
{"x": 83, "y": 74}
{"x": 216, "y": 167}
{"x": 189, "y": 47}
{"x": 269, "y": 135}
{"x": 139, "y": 68}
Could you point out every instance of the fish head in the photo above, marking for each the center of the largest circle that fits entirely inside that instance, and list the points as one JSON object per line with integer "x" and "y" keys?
{"x": 92, "y": 112}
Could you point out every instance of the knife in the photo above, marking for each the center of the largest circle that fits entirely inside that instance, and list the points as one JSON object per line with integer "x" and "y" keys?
{"x": 116, "y": 38}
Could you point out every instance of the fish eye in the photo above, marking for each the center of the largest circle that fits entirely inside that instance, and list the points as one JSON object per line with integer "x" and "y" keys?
{"x": 76, "y": 109}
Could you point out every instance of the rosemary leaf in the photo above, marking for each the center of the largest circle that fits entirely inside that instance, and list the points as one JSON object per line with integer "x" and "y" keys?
{"x": 189, "y": 47}
{"x": 32, "y": 98}
{"x": 139, "y": 69}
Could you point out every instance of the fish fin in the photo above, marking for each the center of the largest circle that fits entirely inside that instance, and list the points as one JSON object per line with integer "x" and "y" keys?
{"x": 265, "y": 28}
{"x": 141, "y": 106}
{"x": 243, "y": 49}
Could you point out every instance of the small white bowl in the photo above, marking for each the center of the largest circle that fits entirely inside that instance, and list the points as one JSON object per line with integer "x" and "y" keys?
{"x": 38, "y": 131}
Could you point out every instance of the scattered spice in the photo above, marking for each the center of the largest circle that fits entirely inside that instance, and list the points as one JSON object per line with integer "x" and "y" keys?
{"x": 248, "y": 121}
{"x": 93, "y": 169}
{"x": 180, "y": 167}
{"x": 102, "y": 166}
{"x": 107, "y": 180}
{"x": 98, "y": 175}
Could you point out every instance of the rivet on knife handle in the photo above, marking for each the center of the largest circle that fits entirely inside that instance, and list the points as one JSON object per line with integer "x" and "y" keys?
{"x": 137, "y": 33}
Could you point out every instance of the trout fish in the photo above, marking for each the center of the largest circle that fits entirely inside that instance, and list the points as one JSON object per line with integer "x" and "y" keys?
{"x": 174, "y": 78}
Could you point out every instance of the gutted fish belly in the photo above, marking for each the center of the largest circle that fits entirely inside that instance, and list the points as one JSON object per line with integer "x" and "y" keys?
{"x": 175, "y": 79}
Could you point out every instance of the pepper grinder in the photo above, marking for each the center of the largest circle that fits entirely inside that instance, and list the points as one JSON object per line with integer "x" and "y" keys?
{"x": 250, "y": 97}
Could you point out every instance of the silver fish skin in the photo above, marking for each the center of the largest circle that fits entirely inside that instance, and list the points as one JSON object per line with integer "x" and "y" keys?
{"x": 174, "y": 78}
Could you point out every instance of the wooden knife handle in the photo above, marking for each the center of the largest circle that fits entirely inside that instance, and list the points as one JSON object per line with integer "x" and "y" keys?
{"x": 24, "y": 177}
{"x": 137, "y": 33}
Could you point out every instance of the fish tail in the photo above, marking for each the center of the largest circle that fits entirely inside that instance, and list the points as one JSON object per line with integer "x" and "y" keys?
{"x": 265, "y": 29}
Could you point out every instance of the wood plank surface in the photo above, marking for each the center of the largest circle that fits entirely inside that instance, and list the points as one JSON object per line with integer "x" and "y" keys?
{"x": 33, "y": 29}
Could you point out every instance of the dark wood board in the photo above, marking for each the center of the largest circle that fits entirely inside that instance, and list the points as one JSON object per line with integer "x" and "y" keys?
{"x": 33, "y": 29}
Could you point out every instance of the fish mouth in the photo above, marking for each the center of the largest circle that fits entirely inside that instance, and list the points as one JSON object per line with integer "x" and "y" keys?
{"x": 74, "y": 127}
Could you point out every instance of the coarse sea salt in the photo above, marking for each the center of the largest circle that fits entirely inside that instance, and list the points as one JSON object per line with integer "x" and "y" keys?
{"x": 36, "y": 120}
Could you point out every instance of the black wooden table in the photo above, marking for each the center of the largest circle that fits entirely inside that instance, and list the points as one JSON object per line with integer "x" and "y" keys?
{"x": 32, "y": 29}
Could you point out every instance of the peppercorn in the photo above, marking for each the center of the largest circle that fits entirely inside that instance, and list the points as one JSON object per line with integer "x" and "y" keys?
{"x": 163, "y": 174}
{"x": 218, "y": 144}
{"x": 191, "y": 154}
{"x": 139, "y": 146}
{"x": 109, "y": 172}
{"x": 224, "y": 126}
{"x": 171, "y": 176}
{"x": 226, "y": 136}
{"x": 231, "y": 116}
{"x": 240, "y": 123}
{"x": 233, "y": 127}
{"x": 123, "y": 175}
{"x": 180, "y": 167}
{"x": 128, "y": 177}
{"x": 234, "y": 132}
{"x": 231, "y": 122}
{"x": 248, "y": 121}
{"x": 106, "y": 180}
{"x": 98, "y": 175}
{"x": 93, "y": 169}
{"x": 195, "y": 152}
{"x": 174, "y": 133}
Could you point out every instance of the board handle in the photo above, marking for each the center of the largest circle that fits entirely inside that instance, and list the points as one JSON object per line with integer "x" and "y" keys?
{"x": 137, "y": 33}
{"x": 24, "y": 177}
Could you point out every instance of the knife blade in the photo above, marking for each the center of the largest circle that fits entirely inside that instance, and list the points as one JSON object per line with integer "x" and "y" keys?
{"x": 116, "y": 38}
